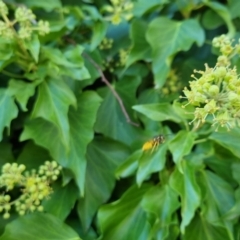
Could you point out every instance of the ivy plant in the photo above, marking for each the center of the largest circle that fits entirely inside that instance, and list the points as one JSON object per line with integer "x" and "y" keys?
{"x": 119, "y": 120}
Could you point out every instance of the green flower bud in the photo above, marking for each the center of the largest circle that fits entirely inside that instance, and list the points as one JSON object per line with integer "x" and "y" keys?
{"x": 233, "y": 97}
{"x": 3, "y": 9}
{"x": 6, "y": 215}
{"x": 220, "y": 72}
{"x": 7, "y": 206}
{"x": 213, "y": 90}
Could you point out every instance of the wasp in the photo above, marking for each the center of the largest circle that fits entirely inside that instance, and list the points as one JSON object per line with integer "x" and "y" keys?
{"x": 153, "y": 143}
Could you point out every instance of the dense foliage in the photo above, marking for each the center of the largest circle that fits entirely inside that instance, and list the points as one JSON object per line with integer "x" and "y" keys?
{"x": 119, "y": 120}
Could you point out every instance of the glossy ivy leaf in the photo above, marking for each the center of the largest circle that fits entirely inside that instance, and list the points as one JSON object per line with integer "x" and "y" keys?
{"x": 220, "y": 196}
{"x": 33, "y": 45}
{"x": 151, "y": 162}
{"x": 200, "y": 229}
{"x": 103, "y": 157}
{"x": 140, "y": 47}
{"x": 162, "y": 202}
{"x": 81, "y": 133}
{"x": 179, "y": 36}
{"x": 62, "y": 200}
{"x": 181, "y": 145}
{"x": 7, "y": 53}
{"x": 228, "y": 140}
{"x": 129, "y": 166}
{"x": 186, "y": 186}
{"x": 158, "y": 111}
{"x": 22, "y": 91}
{"x": 70, "y": 63}
{"x": 114, "y": 124}
{"x": 38, "y": 226}
{"x": 32, "y": 156}
{"x": 233, "y": 7}
{"x": 141, "y": 6}
{"x": 48, "y": 6}
{"x": 125, "y": 219}
{"x": 6, "y": 153}
{"x": 8, "y": 110}
{"x": 223, "y": 12}
{"x": 52, "y": 104}
{"x": 99, "y": 32}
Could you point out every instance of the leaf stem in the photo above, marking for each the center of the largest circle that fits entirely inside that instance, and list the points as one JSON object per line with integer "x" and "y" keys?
{"x": 114, "y": 92}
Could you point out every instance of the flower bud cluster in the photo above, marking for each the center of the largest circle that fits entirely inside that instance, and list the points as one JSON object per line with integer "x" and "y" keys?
{"x": 25, "y": 21}
{"x": 216, "y": 95}
{"x": 120, "y": 9}
{"x": 106, "y": 44}
{"x": 34, "y": 186}
{"x": 172, "y": 84}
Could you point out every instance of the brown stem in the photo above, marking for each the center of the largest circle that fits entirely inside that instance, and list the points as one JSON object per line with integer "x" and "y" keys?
{"x": 114, "y": 92}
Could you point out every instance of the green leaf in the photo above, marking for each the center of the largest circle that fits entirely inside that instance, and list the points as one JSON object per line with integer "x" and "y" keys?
{"x": 165, "y": 42}
{"x": 162, "y": 202}
{"x": 48, "y": 6}
{"x": 6, "y": 153}
{"x": 81, "y": 133}
{"x": 38, "y": 227}
{"x": 114, "y": 124}
{"x": 125, "y": 219}
{"x": 7, "y": 52}
{"x": 140, "y": 49}
{"x": 228, "y": 140}
{"x": 70, "y": 63}
{"x": 220, "y": 196}
{"x": 233, "y": 7}
{"x": 103, "y": 157}
{"x": 28, "y": 151}
{"x": 158, "y": 111}
{"x": 142, "y": 6}
{"x": 224, "y": 13}
{"x": 53, "y": 101}
{"x": 181, "y": 145}
{"x": 61, "y": 201}
{"x": 200, "y": 229}
{"x": 186, "y": 186}
{"x": 8, "y": 110}
{"x": 22, "y": 91}
{"x": 33, "y": 45}
{"x": 129, "y": 166}
{"x": 150, "y": 163}
{"x": 219, "y": 201}
{"x": 99, "y": 32}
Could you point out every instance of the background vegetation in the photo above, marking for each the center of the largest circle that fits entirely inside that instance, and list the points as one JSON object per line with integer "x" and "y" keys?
{"x": 85, "y": 84}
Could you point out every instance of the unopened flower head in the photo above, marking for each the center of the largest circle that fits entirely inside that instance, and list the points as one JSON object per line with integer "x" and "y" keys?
{"x": 216, "y": 92}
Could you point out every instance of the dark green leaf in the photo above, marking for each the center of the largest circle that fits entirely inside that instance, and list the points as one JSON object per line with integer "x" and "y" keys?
{"x": 22, "y": 91}
{"x": 6, "y": 153}
{"x": 125, "y": 218}
{"x": 33, "y": 45}
{"x": 151, "y": 162}
{"x": 99, "y": 32}
{"x": 161, "y": 201}
{"x": 32, "y": 156}
{"x": 158, "y": 111}
{"x": 54, "y": 99}
{"x": 200, "y": 229}
{"x": 8, "y": 110}
{"x": 129, "y": 166}
{"x": 38, "y": 227}
{"x": 181, "y": 145}
{"x": 48, "y": 6}
{"x": 140, "y": 49}
{"x": 81, "y": 133}
{"x": 103, "y": 157}
{"x": 186, "y": 186}
{"x": 228, "y": 140}
{"x": 223, "y": 12}
{"x": 143, "y": 6}
{"x": 61, "y": 201}
{"x": 167, "y": 42}
{"x": 114, "y": 124}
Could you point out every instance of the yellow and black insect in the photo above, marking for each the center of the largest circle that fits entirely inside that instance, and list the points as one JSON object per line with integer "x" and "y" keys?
{"x": 153, "y": 143}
